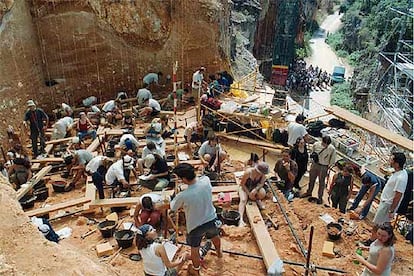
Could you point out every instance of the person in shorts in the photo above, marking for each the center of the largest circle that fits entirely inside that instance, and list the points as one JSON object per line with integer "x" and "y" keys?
{"x": 200, "y": 213}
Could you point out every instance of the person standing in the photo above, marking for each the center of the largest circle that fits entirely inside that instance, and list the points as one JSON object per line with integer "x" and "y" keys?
{"x": 38, "y": 120}
{"x": 297, "y": 130}
{"x": 200, "y": 213}
{"x": 381, "y": 252}
{"x": 341, "y": 188}
{"x": 323, "y": 155}
{"x": 300, "y": 155}
{"x": 197, "y": 81}
{"x": 371, "y": 184}
{"x": 392, "y": 194}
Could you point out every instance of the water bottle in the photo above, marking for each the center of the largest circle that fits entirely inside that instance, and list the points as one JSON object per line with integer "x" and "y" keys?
{"x": 204, "y": 249}
{"x": 359, "y": 252}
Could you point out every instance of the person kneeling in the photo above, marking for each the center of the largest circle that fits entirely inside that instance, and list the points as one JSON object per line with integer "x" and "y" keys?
{"x": 147, "y": 210}
{"x": 154, "y": 255}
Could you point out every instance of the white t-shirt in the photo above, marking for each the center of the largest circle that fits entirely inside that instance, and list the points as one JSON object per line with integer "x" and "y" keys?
{"x": 115, "y": 171}
{"x": 154, "y": 104}
{"x": 207, "y": 149}
{"x": 109, "y": 106}
{"x": 130, "y": 137}
{"x": 84, "y": 156}
{"x": 295, "y": 131}
{"x": 147, "y": 151}
{"x": 396, "y": 183}
{"x": 197, "y": 79}
{"x": 143, "y": 94}
{"x": 190, "y": 129}
{"x": 156, "y": 198}
{"x": 153, "y": 264}
{"x": 62, "y": 124}
{"x": 151, "y": 78}
{"x": 94, "y": 164}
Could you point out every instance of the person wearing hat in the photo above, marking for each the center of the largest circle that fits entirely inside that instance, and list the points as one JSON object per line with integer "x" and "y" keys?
{"x": 200, "y": 214}
{"x": 77, "y": 167}
{"x": 159, "y": 176}
{"x": 84, "y": 127}
{"x": 153, "y": 133}
{"x": 38, "y": 120}
{"x": 286, "y": 171}
{"x": 98, "y": 167}
{"x": 154, "y": 255}
{"x": 251, "y": 187}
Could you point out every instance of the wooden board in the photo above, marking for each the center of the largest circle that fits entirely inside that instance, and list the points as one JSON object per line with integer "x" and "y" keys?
{"x": 191, "y": 162}
{"x": 90, "y": 193}
{"x": 94, "y": 145}
{"x": 58, "y": 141}
{"x": 251, "y": 141}
{"x": 48, "y": 160}
{"x": 263, "y": 239}
{"x": 327, "y": 249}
{"x": 371, "y": 127}
{"x": 59, "y": 206}
{"x": 33, "y": 181}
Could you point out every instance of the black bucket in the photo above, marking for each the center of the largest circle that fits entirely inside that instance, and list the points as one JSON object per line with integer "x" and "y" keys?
{"x": 107, "y": 228}
{"x": 27, "y": 201}
{"x": 231, "y": 217}
{"x": 59, "y": 186}
{"x": 219, "y": 212}
{"x": 39, "y": 185}
{"x": 124, "y": 238}
{"x": 42, "y": 193}
{"x": 334, "y": 231}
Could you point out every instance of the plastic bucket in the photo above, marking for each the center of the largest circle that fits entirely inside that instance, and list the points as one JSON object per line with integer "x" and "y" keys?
{"x": 59, "y": 186}
{"x": 231, "y": 217}
{"x": 334, "y": 231}
{"x": 124, "y": 238}
{"x": 27, "y": 201}
{"x": 107, "y": 228}
{"x": 42, "y": 193}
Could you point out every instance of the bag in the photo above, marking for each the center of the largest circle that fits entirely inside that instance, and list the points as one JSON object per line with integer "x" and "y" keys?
{"x": 314, "y": 128}
{"x": 212, "y": 103}
{"x": 315, "y": 157}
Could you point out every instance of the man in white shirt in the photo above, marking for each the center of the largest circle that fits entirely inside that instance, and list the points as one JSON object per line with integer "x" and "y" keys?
{"x": 152, "y": 108}
{"x": 152, "y": 78}
{"x": 147, "y": 211}
{"x": 61, "y": 127}
{"x": 297, "y": 130}
{"x": 208, "y": 153}
{"x": 199, "y": 211}
{"x": 197, "y": 80}
{"x": 129, "y": 142}
{"x": 97, "y": 167}
{"x": 150, "y": 148}
{"x": 392, "y": 194}
{"x": 143, "y": 94}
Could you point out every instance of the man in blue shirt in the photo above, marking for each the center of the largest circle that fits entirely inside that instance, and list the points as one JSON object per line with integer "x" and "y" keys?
{"x": 38, "y": 120}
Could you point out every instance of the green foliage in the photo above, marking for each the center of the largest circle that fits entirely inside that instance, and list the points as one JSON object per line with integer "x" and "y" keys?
{"x": 341, "y": 96}
{"x": 305, "y": 50}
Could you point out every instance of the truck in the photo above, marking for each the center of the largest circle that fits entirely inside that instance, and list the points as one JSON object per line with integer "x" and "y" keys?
{"x": 338, "y": 75}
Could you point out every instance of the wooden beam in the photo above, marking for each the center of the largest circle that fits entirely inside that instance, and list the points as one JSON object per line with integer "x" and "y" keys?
{"x": 263, "y": 239}
{"x": 59, "y": 206}
{"x": 48, "y": 160}
{"x": 33, "y": 181}
{"x": 251, "y": 141}
{"x": 90, "y": 193}
{"x": 191, "y": 162}
{"x": 58, "y": 141}
{"x": 369, "y": 126}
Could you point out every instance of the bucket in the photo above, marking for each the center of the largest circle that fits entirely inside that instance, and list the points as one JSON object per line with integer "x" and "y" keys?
{"x": 107, "y": 228}
{"x": 59, "y": 186}
{"x": 219, "y": 212}
{"x": 124, "y": 238}
{"x": 27, "y": 201}
{"x": 42, "y": 193}
{"x": 231, "y": 217}
{"x": 39, "y": 185}
{"x": 334, "y": 231}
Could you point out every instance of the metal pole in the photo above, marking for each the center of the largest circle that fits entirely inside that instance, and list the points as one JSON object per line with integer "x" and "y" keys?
{"x": 309, "y": 251}
{"x": 302, "y": 248}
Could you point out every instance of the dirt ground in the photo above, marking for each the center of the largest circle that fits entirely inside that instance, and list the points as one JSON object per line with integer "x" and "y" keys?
{"x": 301, "y": 213}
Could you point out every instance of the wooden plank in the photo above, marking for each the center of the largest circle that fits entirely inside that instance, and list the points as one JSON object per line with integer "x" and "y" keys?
{"x": 94, "y": 145}
{"x": 263, "y": 239}
{"x": 33, "y": 181}
{"x": 59, "y": 206}
{"x": 371, "y": 127}
{"x": 48, "y": 160}
{"x": 58, "y": 141}
{"x": 251, "y": 141}
{"x": 191, "y": 162}
{"x": 90, "y": 193}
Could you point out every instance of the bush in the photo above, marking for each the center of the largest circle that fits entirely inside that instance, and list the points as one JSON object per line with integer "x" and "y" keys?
{"x": 341, "y": 96}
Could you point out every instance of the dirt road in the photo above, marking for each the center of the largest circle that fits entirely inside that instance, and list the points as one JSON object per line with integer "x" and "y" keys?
{"x": 324, "y": 57}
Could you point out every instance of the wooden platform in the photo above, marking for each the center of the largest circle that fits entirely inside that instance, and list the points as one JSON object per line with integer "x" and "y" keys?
{"x": 249, "y": 141}
{"x": 59, "y": 206}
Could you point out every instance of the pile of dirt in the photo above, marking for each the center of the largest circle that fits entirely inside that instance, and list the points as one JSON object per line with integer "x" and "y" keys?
{"x": 24, "y": 250}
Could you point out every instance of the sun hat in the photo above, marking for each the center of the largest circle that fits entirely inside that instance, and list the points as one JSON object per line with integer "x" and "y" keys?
{"x": 30, "y": 103}
{"x": 262, "y": 167}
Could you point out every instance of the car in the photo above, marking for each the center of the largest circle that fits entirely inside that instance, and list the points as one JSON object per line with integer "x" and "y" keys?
{"x": 338, "y": 75}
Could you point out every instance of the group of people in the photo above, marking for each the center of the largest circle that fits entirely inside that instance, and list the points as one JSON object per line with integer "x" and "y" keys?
{"x": 303, "y": 79}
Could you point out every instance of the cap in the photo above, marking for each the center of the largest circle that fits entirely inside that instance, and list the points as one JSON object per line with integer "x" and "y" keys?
{"x": 144, "y": 229}
{"x": 202, "y": 68}
{"x": 128, "y": 161}
{"x": 30, "y": 103}
{"x": 149, "y": 160}
{"x": 262, "y": 167}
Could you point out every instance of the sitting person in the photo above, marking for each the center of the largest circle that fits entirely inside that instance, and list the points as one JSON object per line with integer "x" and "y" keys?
{"x": 77, "y": 165}
{"x": 152, "y": 108}
{"x": 147, "y": 210}
{"x": 143, "y": 94}
{"x": 208, "y": 153}
{"x": 61, "y": 127}
{"x": 19, "y": 172}
{"x": 341, "y": 188}
{"x": 251, "y": 187}
{"x": 112, "y": 111}
{"x": 150, "y": 148}
{"x": 286, "y": 171}
{"x": 85, "y": 128}
{"x": 159, "y": 176}
{"x": 98, "y": 167}
{"x": 153, "y": 133}
{"x": 128, "y": 121}
{"x": 193, "y": 133}
{"x": 129, "y": 142}
{"x": 371, "y": 184}
{"x": 154, "y": 255}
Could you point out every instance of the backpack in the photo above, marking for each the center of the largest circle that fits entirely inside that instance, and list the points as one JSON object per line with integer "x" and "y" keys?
{"x": 212, "y": 103}
{"x": 408, "y": 195}
{"x": 336, "y": 123}
{"x": 280, "y": 137}
{"x": 314, "y": 128}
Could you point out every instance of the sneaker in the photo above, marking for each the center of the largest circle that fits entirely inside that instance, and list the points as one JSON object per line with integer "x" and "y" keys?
{"x": 319, "y": 201}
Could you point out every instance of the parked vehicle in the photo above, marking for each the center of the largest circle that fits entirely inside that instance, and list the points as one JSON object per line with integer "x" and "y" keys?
{"x": 338, "y": 75}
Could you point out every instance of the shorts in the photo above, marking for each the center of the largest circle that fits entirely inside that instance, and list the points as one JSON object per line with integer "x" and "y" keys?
{"x": 169, "y": 272}
{"x": 382, "y": 214}
{"x": 208, "y": 230}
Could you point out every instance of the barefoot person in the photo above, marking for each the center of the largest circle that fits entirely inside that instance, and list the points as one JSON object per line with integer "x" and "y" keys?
{"x": 200, "y": 213}
{"x": 251, "y": 187}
